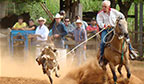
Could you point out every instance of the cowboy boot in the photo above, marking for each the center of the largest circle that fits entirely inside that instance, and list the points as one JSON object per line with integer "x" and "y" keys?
{"x": 131, "y": 57}
{"x": 134, "y": 53}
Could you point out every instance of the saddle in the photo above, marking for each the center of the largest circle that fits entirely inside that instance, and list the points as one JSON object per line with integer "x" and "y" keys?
{"x": 109, "y": 36}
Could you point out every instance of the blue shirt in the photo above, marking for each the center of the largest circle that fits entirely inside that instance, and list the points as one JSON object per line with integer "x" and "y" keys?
{"x": 80, "y": 35}
{"x": 59, "y": 29}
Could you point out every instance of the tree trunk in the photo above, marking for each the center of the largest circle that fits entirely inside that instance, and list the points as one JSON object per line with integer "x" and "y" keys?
{"x": 3, "y": 9}
{"x": 113, "y": 3}
{"x": 141, "y": 29}
{"x": 125, "y": 6}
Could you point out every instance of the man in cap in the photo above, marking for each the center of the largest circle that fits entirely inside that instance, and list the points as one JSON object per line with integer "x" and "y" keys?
{"x": 80, "y": 35}
{"x": 63, "y": 15}
{"x": 93, "y": 27}
{"x": 58, "y": 32}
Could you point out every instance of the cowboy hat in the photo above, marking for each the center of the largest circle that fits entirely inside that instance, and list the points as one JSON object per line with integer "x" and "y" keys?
{"x": 58, "y": 16}
{"x": 42, "y": 19}
{"x": 79, "y": 21}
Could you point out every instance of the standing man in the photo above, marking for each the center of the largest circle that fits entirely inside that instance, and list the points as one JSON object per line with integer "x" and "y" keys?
{"x": 68, "y": 25}
{"x": 41, "y": 33}
{"x": 107, "y": 18}
{"x": 80, "y": 35}
{"x": 42, "y": 30}
{"x": 58, "y": 32}
{"x": 84, "y": 23}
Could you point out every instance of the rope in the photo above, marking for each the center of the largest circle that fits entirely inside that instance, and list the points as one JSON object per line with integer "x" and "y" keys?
{"x": 122, "y": 51}
{"x": 107, "y": 35}
{"x": 85, "y": 41}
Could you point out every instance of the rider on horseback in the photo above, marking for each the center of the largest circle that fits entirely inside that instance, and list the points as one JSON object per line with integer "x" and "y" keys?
{"x": 106, "y": 18}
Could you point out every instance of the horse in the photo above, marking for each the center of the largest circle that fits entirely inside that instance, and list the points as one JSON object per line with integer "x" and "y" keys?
{"x": 48, "y": 61}
{"x": 117, "y": 51}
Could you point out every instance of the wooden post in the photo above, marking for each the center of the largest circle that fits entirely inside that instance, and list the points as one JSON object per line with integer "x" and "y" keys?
{"x": 80, "y": 10}
{"x": 136, "y": 22}
{"x": 141, "y": 29}
{"x": 61, "y": 4}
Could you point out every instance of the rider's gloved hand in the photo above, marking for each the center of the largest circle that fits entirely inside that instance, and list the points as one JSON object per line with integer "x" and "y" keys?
{"x": 108, "y": 26}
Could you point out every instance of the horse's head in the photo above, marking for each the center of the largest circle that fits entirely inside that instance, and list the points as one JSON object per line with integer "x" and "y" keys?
{"x": 121, "y": 27}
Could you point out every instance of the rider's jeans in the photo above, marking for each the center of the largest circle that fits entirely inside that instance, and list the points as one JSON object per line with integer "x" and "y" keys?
{"x": 130, "y": 46}
{"x": 102, "y": 43}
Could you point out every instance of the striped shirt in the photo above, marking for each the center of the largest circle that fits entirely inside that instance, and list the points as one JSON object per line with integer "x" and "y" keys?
{"x": 80, "y": 35}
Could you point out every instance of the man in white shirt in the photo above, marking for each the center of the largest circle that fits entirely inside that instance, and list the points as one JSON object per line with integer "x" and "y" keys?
{"x": 41, "y": 31}
{"x": 41, "y": 35}
{"x": 107, "y": 18}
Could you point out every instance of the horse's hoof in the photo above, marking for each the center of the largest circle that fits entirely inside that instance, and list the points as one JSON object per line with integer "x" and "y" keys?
{"x": 128, "y": 75}
{"x": 57, "y": 75}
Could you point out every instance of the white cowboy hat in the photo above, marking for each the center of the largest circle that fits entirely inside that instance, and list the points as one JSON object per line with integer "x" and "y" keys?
{"x": 41, "y": 18}
{"x": 58, "y": 16}
{"x": 79, "y": 21}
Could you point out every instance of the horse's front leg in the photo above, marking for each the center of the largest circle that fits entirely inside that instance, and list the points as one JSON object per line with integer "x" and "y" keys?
{"x": 56, "y": 72}
{"x": 51, "y": 81}
{"x": 128, "y": 71}
{"x": 119, "y": 69}
{"x": 49, "y": 75}
{"x": 112, "y": 67}
{"x": 104, "y": 64}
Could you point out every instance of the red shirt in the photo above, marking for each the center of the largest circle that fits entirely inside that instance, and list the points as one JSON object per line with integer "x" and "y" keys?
{"x": 90, "y": 28}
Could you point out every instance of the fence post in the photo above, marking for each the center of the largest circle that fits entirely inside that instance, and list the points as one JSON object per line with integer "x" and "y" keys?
{"x": 136, "y": 22}
{"x": 141, "y": 29}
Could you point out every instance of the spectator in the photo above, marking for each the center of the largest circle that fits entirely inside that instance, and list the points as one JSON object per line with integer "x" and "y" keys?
{"x": 80, "y": 35}
{"x": 68, "y": 25}
{"x": 41, "y": 35}
{"x": 42, "y": 31}
{"x": 20, "y": 25}
{"x": 93, "y": 27}
{"x": 31, "y": 26}
{"x": 63, "y": 15}
{"x": 84, "y": 24}
{"x": 58, "y": 32}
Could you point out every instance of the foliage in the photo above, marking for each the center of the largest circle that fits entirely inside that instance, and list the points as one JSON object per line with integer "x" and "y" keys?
{"x": 35, "y": 10}
{"x": 22, "y": 1}
{"x": 91, "y": 5}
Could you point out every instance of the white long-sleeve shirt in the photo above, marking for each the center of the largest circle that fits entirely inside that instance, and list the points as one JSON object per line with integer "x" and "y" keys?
{"x": 43, "y": 31}
{"x": 103, "y": 19}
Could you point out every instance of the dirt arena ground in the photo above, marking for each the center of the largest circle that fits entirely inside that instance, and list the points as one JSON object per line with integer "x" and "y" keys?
{"x": 21, "y": 70}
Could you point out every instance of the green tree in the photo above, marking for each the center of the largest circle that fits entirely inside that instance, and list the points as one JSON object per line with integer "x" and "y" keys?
{"x": 34, "y": 8}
